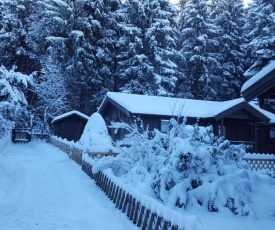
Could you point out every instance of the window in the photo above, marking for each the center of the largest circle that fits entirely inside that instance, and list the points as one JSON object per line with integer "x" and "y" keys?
{"x": 164, "y": 125}
{"x": 272, "y": 132}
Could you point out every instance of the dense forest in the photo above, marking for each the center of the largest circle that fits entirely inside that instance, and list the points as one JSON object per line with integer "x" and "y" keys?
{"x": 59, "y": 55}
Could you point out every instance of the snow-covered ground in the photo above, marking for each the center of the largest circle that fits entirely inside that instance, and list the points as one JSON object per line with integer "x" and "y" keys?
{"x": 42, "y": 189}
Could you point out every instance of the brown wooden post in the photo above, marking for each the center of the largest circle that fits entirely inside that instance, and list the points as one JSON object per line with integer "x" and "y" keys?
{"x": 151, "y": 221}
{"x": 158, "y": 222}
{"x": 136, "y": 212}
{"x": 166, "y": 225}
{"x": 129, "y": 207}
{"x": 126, "y": 200}
{"x": 144, "y": 225}
{"x": 140, "y": 216}
{"x": 133, "y": 207}
{"x": 121, "y": 201}
{"x": 118, "y": 198}
{"x": 116, "y": 194}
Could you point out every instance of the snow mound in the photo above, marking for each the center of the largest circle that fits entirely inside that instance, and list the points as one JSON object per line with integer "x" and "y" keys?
{"x": 95, "y": 137}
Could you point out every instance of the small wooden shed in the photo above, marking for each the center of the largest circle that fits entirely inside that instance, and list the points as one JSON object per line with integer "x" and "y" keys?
{"x": 69, "y": 125}
{"x": 236, "y": 119}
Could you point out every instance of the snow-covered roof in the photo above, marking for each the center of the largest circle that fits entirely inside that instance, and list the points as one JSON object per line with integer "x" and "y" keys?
{"x": 270, "y": 115}
{"x": 166, "y": 106}
{"x": 260, "y": 83}
{"x": 69, "y": 114}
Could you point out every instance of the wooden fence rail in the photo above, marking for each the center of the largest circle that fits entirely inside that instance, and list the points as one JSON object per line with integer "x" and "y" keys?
{"x": 144, "y": 212}
{"x": 144, "y": 215}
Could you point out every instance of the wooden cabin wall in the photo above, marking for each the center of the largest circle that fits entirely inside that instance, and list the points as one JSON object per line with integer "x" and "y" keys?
{"x": 70, "y": 127}
{"x": 265, "y": 143}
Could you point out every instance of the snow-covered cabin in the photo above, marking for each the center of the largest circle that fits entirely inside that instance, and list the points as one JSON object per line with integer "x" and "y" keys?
{"x": 262, "y": 87}
{"x": 236, "y": 119}
{"x": 69, "y": 125}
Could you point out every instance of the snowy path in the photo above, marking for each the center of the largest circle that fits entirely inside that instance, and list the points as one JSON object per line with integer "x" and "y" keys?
{"x": 41, "y": 189}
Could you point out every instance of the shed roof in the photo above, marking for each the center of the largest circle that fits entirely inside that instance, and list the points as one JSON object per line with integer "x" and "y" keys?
{"x": 68, "y": 114}
{"x": 166, "y": 106}
{"x": 260, "y": 83}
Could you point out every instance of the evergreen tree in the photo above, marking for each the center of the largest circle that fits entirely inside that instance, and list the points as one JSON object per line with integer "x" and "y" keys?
{"x": 228, "y": 15}
{"x": 147, "y": 60}
{"x": 199, "y": 51}
{"x": 14, "y": 47}
{"x": 92, "y": 60}
{"x": 13, "y": 103}
{"x": 260, "y": 29}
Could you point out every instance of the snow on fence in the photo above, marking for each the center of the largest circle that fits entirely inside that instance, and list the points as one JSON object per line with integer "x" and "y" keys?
{"x": 75, "y": 151}
{"x": 142, "y": 210}
{"x": 258, "y": 161}
{"x": 25, "y": 135}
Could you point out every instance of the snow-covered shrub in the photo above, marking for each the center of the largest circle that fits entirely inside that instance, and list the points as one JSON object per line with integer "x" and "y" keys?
{"x": 95, "y": 137}
{"x": 187, "y": 167}
{"x": 13, "y": 104}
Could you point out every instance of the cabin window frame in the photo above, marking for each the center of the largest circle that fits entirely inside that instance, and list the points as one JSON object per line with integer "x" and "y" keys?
{"x": 272, "y": 132}
{"x": 164, "y": 125}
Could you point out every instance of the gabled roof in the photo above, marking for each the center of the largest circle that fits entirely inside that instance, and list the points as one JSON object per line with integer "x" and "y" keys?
{"x": 166, "y": 106}
{"x": 270, "y": 115}
{"x": 68, "y": 114}
{"x": 260, "y": 83}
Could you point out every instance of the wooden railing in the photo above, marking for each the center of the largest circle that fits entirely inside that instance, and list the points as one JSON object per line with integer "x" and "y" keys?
{"x": 72, "y": 151}
{"x": 143, "y": 211}
{"x": 75, "y": 152}
{"x": 26, "y": 135}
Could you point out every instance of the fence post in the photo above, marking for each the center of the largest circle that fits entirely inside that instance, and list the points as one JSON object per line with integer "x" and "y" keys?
{"x": 118, "y": 198}
{"x": 144, "y": 225}
{"x": 151, "y": 221}
{"x": 136, "y": 212}
{"x": 126, "y": 200}
{"x": 140, "y": 216}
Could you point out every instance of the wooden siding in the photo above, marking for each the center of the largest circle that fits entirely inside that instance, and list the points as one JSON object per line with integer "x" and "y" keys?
{"x": 70, "y": 127}
{"x": 265, "y": 143}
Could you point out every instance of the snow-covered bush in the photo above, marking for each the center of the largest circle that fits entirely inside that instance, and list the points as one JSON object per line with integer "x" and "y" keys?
{"x": 95, "y": 137}
{"x": 187, "y": 167}
{"x": 13, "y": 104}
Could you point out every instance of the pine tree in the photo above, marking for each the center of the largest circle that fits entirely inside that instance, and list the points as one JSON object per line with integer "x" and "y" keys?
{"x": 13, "y": 103}
{"x": 199, "y": 51}
{"x": 260, "y": 29}
{"x": 14, "y": 46}
{"x": 147, "y": 60}
{"x": 228, "y": 15}
{"x": 93, "y": 58}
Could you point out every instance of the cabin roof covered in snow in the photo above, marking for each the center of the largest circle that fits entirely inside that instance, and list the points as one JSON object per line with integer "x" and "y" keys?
{"x": 260, "y": 83}
{"x": 270, "y": 115}
{"x": 166, "y": 106}
{"x": 73, "y": 112}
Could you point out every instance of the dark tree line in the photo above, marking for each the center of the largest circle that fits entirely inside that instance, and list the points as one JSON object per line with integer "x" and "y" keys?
{"x": 77, "y": 50}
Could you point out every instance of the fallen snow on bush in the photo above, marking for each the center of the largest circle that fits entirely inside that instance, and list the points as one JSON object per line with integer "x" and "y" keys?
{"x": 95, "y": 137}
{"x": 189, "y": 169}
